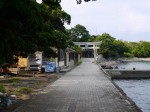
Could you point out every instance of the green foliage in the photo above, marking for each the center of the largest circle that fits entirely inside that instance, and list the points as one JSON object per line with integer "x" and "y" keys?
{"x": 14, "y": 80}
{"x": 142, "y": 49}
{"x": 104, "y": 36}
{"x": 116, "y": 48}
{"x": 25, "y": 90}
{"x": 97, "y": 38}
{"x": 121, "y": 47}
{"x": 2, "y": 89}
{"x": 77, "y": 49}
{"x": 127, "y": 54}
{"x": 78, "y": 63}
{"x": 111, "y": 48}
{"x": 80, "y": 1}
{"x": 79, "y": 34}
{"x": 40, "y": 82}
{"x": 107, "y": 48}
{"x": 26, "y": 27}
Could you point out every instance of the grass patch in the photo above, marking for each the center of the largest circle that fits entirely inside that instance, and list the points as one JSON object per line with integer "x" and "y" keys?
{"x": 39, "y": 82}
{"x": 14, "y": 80}
{"x": 25, "y": 90}
{"x": 2, "y": 89}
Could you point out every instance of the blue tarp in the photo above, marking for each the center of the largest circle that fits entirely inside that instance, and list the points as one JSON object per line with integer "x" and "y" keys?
{"x": 50, "y": 67}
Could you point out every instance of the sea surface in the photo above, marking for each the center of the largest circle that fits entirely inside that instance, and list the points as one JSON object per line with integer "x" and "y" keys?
{"x": 138, "y": 91}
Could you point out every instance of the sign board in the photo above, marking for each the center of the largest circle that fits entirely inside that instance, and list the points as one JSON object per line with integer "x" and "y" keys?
{"x": 50, "y": 67}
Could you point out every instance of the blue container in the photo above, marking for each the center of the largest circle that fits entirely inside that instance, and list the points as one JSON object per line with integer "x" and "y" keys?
{"x": 50, "y": 67}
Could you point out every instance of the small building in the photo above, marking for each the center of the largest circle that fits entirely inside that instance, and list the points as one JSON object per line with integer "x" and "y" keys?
{"x": 36, "y": 61}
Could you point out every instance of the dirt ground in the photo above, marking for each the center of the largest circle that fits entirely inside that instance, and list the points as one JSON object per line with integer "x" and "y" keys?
{"x": 25, "y": 86}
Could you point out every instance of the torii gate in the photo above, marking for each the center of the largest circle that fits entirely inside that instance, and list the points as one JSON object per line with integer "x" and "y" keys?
{"x": 88, "y": 46}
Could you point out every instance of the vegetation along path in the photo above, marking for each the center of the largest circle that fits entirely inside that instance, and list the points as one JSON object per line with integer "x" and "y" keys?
{"x": 84, "y": 89}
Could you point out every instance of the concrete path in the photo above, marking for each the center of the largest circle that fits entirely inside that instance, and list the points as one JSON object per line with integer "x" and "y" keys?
{"x": 83, "y": 89}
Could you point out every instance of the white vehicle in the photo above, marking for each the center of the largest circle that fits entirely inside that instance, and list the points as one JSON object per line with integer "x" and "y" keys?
{"x": 35, "y": 61}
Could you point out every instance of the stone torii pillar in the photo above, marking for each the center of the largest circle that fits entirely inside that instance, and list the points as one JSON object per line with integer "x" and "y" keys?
{"x": 94, "y": 48}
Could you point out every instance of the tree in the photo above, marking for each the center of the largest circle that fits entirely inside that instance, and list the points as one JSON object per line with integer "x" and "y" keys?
{"x": 77, "y": 49}
{"x": 110, "y": 47}
{"x": 107, "y": 47}
{"x": 79, "y": 34}
{"x": 120, "y": 47}
{"x": 142, "y": 49}
{"x": 26, "y": 26}
{"x": 78, "y": 1}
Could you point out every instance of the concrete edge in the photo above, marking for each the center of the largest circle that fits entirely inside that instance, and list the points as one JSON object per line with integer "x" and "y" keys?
{"x": 122, "y": 93}
{"x": 108, "y": 76}
{"x": 126, "y": 98}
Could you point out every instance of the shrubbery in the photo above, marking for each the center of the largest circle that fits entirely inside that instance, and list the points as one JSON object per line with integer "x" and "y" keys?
{"x": 2, "y": 89}
{"x": 25, "y": 90}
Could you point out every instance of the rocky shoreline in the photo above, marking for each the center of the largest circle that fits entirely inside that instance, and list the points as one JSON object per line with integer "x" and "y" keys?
{"x": 108, "y": 63}
{"x": 112, "y": 63}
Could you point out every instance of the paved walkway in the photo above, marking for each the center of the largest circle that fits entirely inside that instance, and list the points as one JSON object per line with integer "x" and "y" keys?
{"x": 84, "y": 89}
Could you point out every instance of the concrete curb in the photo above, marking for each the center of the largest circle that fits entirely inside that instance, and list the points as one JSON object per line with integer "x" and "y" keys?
{"x": 122, "y": 93}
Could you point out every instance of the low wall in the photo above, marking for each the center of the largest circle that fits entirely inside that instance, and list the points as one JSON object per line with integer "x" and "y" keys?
{"x": 128, "y": 74}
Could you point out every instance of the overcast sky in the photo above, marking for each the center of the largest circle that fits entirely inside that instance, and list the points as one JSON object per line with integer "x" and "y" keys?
{"x": 127, "y": 20}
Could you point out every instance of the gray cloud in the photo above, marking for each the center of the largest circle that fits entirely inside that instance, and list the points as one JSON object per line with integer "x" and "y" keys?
{"x": 124, "y": 19}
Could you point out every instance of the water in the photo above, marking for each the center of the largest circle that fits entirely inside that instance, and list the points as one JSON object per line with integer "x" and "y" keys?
{"x": 138, "y": 91}
{"x": 136, "y": 65}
